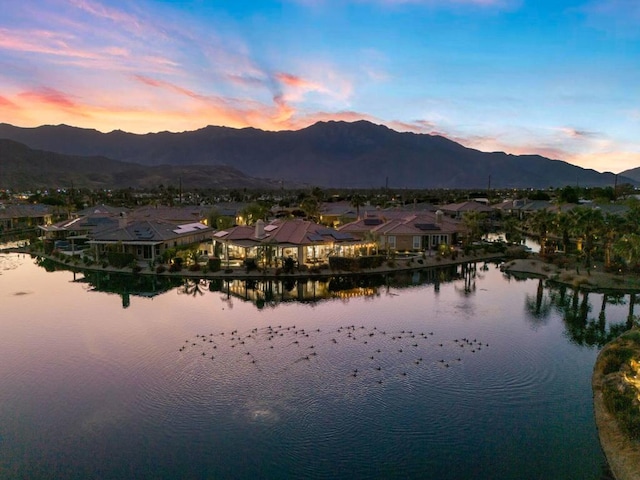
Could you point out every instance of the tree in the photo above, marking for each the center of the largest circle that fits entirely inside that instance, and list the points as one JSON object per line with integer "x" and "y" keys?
{"x": 541, "y": 223}
{"x": 357, "y": 201}
{"x": 588, "y": 224}
{"x": 311, "y": 207}
{"x": 563, "y": 225}
{"x": 511, "y": 231}
{"x": 254, "y": 212}
{"x": 568, "y": 194}
{"x": 612, "y": 229}
{"x": 628, "y": 248}
{"x": 474, "y": 223}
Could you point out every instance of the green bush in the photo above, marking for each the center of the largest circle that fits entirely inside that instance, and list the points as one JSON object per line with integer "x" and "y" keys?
{"x": 214, "y": 264}
{"x": 371, "y": 261}
{"x": 614, "y": 358}
{"x": 119, "y": 259}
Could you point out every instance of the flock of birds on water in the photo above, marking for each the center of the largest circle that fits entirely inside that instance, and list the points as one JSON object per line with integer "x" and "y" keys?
{"x": 352, "y": 352}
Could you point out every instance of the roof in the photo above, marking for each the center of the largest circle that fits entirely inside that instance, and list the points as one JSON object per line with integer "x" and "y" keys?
{"x": 285, "y": 232}
{"x": 24, "y": 211}
{"x": 470, "y": 206}
{"x": 148, "y": 231}
{"x": 101, "y": 210}
{"x": 422, "y": 223}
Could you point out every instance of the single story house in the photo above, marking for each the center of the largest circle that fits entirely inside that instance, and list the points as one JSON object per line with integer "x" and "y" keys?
{"x": 407, "y": 232}
{"x": 303, "y": 241}
{"x": 149, "y": 239}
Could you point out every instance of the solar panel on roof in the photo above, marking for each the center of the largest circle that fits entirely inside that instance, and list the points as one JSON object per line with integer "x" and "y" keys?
{"x": 341, "y": 236}
{"x": 314, "y": 237}
{"x": 373, "y": 221}
{"x": 427, "y": 226}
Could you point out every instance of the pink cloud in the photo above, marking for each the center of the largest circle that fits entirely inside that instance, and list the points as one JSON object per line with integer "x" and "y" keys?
{"x": 41, "y": 41}
{"x": 49, "y": 96}
{"x": 6, "y": 103}
{"x": 98, "y": 10}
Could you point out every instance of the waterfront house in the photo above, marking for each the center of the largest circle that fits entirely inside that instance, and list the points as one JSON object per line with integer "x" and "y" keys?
{"x": 21, "y": 217}
{"x": 301, "y": 240}
{"x": 149, "y": 239}
{"x": 410, "y": 232}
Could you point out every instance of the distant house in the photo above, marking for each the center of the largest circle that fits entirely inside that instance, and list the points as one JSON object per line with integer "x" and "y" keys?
{"x": 149, "y": 239}
{"x": 406, "y": 231}
{"x": 301, "y": 240}
{"x": 74, "y": 234}
{"x": 24, "y": 216}
{"x": 185, "y": 214}
{"x": 457, "y": 210}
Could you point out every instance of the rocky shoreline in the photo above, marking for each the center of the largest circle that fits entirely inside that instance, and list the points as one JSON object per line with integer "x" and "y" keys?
{"x": 622, "y": 452}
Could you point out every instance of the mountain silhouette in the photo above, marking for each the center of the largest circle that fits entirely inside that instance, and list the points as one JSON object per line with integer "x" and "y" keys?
{"x": 327, "y": 154}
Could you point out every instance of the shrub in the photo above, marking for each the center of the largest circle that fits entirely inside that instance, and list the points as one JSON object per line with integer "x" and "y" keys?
{"x": 214, "y": 264}
{"x": 194, "y": 267}
{"x": 161, "y": 268}
{"x": 119, "y": 259}
{"x": 371, "y": 261}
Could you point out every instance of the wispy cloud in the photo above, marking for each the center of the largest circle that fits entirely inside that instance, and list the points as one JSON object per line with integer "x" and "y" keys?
{"x": 42, "y": 42}
{"x": 49, "y": 96}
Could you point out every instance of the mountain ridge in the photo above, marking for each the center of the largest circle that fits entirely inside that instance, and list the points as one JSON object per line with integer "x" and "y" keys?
{"x": 328, "y": 154}
{"x": 23, "y": 168}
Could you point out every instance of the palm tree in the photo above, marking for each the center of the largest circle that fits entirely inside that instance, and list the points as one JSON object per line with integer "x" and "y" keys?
{"x": 473, "y": 221}
{"x": 628, "y": 248}
{"x": 588, "y": 225}
{"x": 357, "y": 201}
{"x": 541, "y": 223}
{"x": 612, "y": 228}
{"x": 311, "y": 207}
{"x": 562, "y": 226}
{"x": 511, "y": 231}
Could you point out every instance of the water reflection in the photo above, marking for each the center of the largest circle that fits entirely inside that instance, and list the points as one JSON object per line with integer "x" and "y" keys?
{"x": 182, "y": 387}
{"x": 123, "y": 284}
{"x": 583, "y": 328}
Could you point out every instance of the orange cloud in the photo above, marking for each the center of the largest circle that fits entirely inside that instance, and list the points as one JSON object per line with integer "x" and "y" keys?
{"x": 295, "y": 81}
{"x": 6, "y": 103}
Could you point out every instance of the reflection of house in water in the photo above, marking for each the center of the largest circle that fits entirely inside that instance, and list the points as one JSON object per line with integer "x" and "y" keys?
{"x": 126, "y": 285}
{"x": 271, "y": 292}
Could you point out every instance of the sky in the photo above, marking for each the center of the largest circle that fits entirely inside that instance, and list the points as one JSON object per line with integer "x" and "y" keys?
{"x": 559, "y": 78}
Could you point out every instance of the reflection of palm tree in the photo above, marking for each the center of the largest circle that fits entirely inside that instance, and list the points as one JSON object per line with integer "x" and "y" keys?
{"x": 581, "y": 329}
{"x": 192, "y": 287}
{"x": 540, "y": 307}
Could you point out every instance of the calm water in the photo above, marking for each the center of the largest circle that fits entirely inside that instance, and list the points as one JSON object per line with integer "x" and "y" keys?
{"x": 483, "y": 377}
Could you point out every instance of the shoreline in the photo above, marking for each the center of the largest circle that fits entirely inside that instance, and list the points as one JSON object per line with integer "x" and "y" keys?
{"x": 622, "y": 453}
{"x": 595, "y": 280}
{"x": 240, "y": 273}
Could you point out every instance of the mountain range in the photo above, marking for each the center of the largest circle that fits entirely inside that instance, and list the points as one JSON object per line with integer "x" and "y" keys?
{"x": 23, "y": 168}
{"x": 327, "y": 154}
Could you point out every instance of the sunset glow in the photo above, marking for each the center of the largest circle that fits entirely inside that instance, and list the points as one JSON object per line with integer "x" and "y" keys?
{"x": 556, "y": 78}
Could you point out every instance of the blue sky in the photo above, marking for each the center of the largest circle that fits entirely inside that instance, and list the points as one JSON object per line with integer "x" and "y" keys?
{"x": 558, "y": 78}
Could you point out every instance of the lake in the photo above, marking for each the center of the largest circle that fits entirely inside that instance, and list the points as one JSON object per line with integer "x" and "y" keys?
{"x": 454, "y": 374}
